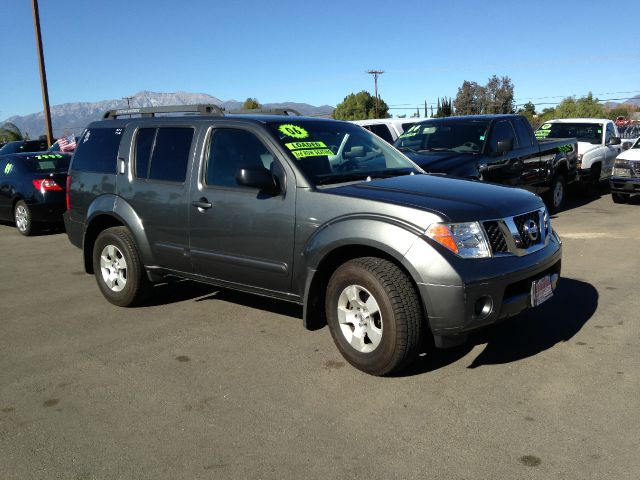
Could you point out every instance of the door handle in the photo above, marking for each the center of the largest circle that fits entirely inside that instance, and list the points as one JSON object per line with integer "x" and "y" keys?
{"x": 203, "y": 204}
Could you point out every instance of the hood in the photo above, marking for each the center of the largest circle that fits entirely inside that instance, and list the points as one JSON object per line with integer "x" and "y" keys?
{"x": 631, "y": 154}
{"x": 586, "y": 147}
{"x": 452, "y": 163}
{"x": 457, "y": 200}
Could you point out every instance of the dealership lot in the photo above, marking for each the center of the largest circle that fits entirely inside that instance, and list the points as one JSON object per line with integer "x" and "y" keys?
{"x": 209, "y": 383}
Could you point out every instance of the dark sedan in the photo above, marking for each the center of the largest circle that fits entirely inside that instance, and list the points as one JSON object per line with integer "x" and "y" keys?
{"x": 33, "y": 189}
{"x": 23, "y": 146}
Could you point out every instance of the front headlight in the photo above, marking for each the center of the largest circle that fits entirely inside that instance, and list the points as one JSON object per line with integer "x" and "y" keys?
{"x": 579, "y": 160}
{"x": 621, "y": 168}
{"x": 467, "y": 240}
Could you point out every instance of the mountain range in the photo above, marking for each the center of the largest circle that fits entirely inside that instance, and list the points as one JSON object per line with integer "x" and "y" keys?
{"x": 70, "y": 118}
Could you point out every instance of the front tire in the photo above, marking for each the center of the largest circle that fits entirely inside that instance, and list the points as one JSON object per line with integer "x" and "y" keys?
{"x": 23, "y": 219}
{"x": 557, "y": 194}
{"x": 620, "y": 197}
{"x": 118, "y": 268}
{"x": 374, "y": 315}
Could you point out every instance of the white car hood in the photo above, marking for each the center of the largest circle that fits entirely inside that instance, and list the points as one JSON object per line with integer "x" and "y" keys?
{"x": 631, "y": 154}
{"x": 586, "y": 147}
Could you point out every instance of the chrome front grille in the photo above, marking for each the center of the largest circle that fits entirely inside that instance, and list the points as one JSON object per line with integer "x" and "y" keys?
{"x": 518, "y": 235}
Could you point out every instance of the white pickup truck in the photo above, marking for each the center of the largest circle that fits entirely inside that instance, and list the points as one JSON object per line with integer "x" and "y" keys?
{"x": 388, "y": 129}
{"x": 598, "y": 144}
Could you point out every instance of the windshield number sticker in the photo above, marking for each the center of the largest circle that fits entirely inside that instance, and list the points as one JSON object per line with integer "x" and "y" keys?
{"x": 303, "y": 145}
{"x": 55, "y": 155}
{"x": 8, "y": 168}
{"x": 546, "y": 126}
{"x": 318, "y": 152}
{"x": 293, "y": 131}
{"x": 542, "y": 133}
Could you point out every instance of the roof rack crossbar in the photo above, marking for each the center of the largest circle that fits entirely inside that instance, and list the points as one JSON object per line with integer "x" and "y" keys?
{"x": 200, "y": 109}
{"x": 267, "y": 111}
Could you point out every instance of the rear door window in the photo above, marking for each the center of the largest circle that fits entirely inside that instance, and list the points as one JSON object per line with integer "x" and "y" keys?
{"x": 524, "y": 137}
{"x": 97, "y": 150}
{"x": 144, "y": 145}
{"x": 382, "y": 131}
{"x": 170, "y": 155}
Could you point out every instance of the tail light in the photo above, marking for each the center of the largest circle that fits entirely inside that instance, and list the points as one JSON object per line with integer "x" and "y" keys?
{"x": 67, "y": 195}
{"x": 46, "y": 184}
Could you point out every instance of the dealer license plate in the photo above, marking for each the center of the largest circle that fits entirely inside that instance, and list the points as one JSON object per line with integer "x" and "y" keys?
{"x": 541, "y": 291}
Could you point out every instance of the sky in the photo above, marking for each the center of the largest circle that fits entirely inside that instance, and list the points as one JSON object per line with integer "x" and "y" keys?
{"x": 318, "y": 52}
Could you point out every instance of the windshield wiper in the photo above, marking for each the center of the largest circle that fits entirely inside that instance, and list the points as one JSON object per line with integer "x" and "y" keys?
{"x": 353, "y": 176}
{"x": 404, "y": 149}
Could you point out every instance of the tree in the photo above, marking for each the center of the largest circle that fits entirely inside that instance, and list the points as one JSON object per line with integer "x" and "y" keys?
{"x": 470, "y": 99}
{"x": 620, "y": 111}
{"x": 10, "y": 132}
{"x": 360, "y": 106}
{"x": 251, "y": 103}
{"x": 584, "y": 107}
{"x": 528, "y": 111}
{"x": 444, "y": 108}
{"x": 499, "y": 95}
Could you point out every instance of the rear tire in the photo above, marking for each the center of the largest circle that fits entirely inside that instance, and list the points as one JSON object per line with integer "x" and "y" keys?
{"x": 23, "y": 219}
{"x": 620, "y": 197}
{"x": 557, "y": 194}
{"x": 374, "y": 315}
{"x": 118, "y": 268}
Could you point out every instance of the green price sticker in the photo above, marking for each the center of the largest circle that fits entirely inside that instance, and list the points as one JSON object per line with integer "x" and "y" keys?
{"x": 482, "y": 138}
{"x": 8, "y": 168}
{"x": 293, "y": 131}
{"x": 318, "y": 152}
{"x": 546, "y": 126}
{"x": 52, "y": 155}
{"x": 302, "y": 145}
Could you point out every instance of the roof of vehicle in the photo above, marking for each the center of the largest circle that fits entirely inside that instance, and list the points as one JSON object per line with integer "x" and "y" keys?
{"x": 251, "y": 118}
{"x": 387, "y": 121}
{"x": 579, "y": 120}
{"x": 460, "y": 118}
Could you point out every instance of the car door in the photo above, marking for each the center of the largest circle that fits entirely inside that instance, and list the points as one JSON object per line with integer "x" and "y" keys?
{"x": 158, "y": 190}
{"x": 611, "y": 151}
{"x": 534, "y": 168}
{"x": 5, "y": 189}
{"x": 241, "y": 234}
{"x": 503, "y": 166}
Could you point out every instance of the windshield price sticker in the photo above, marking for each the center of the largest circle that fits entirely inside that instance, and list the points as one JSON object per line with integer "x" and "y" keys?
{"x": 303, "y": 145}
{"x": 293, "y": 131}
{"x": 48, "y": 156}
{"x": 546, "y": 126}
{"x": 318, "y": 152}
{"x": 542, "y": 133}
{"x": 8, "y": 168}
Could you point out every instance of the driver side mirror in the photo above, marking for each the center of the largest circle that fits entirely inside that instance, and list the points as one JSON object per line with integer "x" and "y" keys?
{"x": 504, "y": 146}
{"x": 614, "y": 141}
{"x": 257, "y": 178}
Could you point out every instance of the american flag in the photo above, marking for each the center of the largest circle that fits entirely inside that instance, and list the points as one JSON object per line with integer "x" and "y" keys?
{"x": 67, "y": 144}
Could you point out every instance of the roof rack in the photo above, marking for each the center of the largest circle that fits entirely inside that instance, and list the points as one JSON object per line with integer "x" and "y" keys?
{"x": 201, "y": 109}
{"x": 267, "y": 111}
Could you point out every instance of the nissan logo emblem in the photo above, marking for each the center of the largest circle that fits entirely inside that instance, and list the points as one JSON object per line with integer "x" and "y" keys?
{"x": 531, "y": 229}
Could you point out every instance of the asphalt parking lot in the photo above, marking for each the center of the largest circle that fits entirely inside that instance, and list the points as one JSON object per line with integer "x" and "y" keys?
{"x": 206, "y": 383}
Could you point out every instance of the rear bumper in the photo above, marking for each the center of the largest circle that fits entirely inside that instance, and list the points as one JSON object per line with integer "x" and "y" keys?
{"x": 454, "y": 307}
{"x": 75, "y": 230}
{"x": 49, "y": 213}
{"x": 625, "y": 185}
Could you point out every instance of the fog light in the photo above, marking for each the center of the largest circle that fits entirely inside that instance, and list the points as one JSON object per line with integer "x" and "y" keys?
{"x": 483, "y": 307}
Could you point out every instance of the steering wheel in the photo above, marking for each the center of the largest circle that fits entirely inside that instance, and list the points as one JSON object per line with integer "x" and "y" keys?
{"x": 471, "y": 145}
{"x": 348, "y": 165}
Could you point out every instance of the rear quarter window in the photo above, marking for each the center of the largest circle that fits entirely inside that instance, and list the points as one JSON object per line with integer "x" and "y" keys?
{"x": 97, "y": 150}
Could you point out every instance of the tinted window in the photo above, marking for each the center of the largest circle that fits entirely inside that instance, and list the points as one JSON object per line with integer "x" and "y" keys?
{"x": 382, "y": 131}
{"x": 610, "y": 132}
{"x": 98, "y": 150}
{"x": 524, "y": 137}
{"x": 171, "y": 154}
{"x": 48, "y": 163}
{"x": 144, "y": 144}
{"x": 501, "y": 131}
{"x": 583, "y": 132}
{"x": 454, "y": 136}
{"x": 232, "y": 149}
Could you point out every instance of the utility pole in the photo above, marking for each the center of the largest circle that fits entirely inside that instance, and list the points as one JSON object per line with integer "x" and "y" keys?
{"x": 43, "y": 73}
{"x": 128, "y": 99}
{"x": 375, "y": 74}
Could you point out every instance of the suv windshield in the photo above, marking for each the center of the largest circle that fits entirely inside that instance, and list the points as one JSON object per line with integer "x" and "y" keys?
{"x": 334, "y": 152}
{"x": 583, "y": 132}
{"x": 461, "y": 137}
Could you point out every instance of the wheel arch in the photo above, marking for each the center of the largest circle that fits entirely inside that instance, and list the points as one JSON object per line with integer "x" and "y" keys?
{"x": 112, "y": 212}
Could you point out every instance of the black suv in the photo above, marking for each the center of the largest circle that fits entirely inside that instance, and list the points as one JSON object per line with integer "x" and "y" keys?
{"x": 313, "y": 211}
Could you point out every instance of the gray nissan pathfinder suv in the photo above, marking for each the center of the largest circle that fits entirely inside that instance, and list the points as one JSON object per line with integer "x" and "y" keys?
{"x": 317, "y": 212}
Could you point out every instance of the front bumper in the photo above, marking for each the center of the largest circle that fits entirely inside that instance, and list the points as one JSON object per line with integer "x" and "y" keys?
{"x": 452, "y": 309}
{"x": 628, "y": 185}
{"x": 584, "y": 175}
